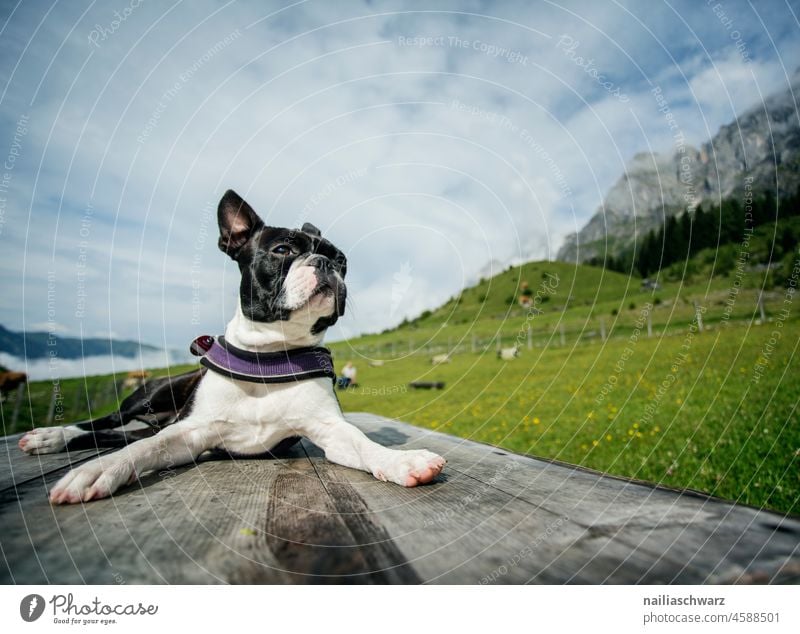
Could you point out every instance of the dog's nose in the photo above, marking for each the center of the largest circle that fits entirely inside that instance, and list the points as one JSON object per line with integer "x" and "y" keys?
{"x": 322, "y": 263}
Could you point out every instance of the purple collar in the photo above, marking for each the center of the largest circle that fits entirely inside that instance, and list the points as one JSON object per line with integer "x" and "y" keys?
{"x": 263, "y": 367}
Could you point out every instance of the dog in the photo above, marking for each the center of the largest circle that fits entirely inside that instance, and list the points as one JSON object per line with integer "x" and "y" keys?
{"x": 291, "y": 291}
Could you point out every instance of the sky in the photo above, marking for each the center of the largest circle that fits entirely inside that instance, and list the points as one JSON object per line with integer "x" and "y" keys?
{"x": 433, "y": 142}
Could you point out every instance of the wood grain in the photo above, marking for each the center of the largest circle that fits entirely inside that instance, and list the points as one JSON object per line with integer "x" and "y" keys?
{"x": 187, "y": 525}
{"x": 17, "y": 467}
{"x": 326, "y": 536}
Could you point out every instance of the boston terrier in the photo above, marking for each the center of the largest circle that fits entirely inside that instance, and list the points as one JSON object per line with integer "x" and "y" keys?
{"x": 263, "y": 385}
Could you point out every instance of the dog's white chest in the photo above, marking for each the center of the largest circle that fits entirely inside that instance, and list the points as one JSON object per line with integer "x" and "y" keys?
{"x": 254, "y": 417}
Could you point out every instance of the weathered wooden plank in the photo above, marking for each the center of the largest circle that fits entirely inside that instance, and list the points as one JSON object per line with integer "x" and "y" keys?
{"x": 319, "y": 536}
{"x": 459, "y": 531}
{"x": 231, "y": 545}
{"x": 687, "y": 538}
{"x": 188, "y": 525}
{"x": 379, "y": 550}
{"x": 17, "y": 467}
{"x": 723, "y": 551}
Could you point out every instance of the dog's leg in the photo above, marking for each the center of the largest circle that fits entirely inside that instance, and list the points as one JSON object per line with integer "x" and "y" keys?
{"x": 347, "y": 445}
{"x": 113, "y": 438}
{"x": 157, "y": 402}
{"x": 55, "y": 439}
{"x": 59, "y": 438}
{"x": 176, "y": 445}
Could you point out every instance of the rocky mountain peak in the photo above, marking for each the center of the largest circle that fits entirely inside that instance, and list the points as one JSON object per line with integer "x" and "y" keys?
{"x": 762, "y": 142}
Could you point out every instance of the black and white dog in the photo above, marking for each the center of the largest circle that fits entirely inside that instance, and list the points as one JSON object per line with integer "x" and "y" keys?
{"x": 292, "y": 289}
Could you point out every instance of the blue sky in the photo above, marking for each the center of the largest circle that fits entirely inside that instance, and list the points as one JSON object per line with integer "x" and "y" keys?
{"x": 426, "y": 139}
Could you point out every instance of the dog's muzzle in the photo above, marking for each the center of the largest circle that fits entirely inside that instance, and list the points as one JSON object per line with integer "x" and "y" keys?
{"x": 329, "y": 279}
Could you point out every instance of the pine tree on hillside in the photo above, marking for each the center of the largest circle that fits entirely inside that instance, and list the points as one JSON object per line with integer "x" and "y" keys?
{"x": 686, "y": 228}
{"x": 732, "y": 221}
{"x": 704, "y": 230}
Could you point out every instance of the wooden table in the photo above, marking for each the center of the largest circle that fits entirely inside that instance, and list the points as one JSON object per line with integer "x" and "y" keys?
{"x": 491, "y": 517}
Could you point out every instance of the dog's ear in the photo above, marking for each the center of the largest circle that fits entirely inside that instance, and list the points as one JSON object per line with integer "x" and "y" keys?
{"x": 311, "y": 230}
{"x": 237, "y": 222}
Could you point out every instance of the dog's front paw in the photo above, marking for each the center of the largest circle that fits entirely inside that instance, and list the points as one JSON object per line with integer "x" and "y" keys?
{"x": 47, "y": 439}
{"x": 409, "y": 468}
{"x": 92, "y": 481}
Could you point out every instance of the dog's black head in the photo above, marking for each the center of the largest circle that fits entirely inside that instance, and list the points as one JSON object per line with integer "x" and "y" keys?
{"x": 285, "y": 272}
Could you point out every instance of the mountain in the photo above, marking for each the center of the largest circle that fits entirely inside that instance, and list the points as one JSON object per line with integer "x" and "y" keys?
{"x": 41, "y": 345}
{"x": 761, "y": 144}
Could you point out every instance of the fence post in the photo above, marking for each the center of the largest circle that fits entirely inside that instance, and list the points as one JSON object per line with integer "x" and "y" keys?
{"x": 698, "y": 317}
{"x": 96, "y": 399}
{"x": 113, "y": 390}
{"x": 474, "y": 343}
{"x": 51, "y": 410}
{"x": 761, "y": 307}
{"x": 602, "y": 329}
{"x": 77, "y": 403}
{"x": 530, "y": 338}
{"x": 563, "y": 340}
{"x": 649, "y": 324}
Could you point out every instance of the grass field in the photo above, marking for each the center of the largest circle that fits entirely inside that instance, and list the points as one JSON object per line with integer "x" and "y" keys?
{"x": 77, "y": 399}
{"x": 688, "y": 411}
{"x": 714, "y": 410}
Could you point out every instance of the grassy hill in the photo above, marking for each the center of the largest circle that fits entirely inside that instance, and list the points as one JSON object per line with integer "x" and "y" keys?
{"x": 714, "y": 410}
{"x": 583, "y": 301}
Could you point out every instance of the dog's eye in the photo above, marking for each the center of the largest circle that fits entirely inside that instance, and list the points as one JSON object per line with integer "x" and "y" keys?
{"x": 282, "y": 249}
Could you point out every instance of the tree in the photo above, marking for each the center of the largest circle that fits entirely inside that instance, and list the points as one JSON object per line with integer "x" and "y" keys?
{"x": 704, "y": 230}
{"x": 764, "y": 209}
{"x": 674, "y": 248}
{"x": 649, "y": 254}
{"x": 731, "y": 221}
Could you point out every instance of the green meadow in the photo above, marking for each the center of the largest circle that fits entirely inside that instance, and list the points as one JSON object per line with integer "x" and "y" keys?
{"x": 706, "y": 412}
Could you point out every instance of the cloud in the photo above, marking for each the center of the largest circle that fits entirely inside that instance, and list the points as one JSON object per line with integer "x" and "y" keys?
{"x": 133, "y": 138}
